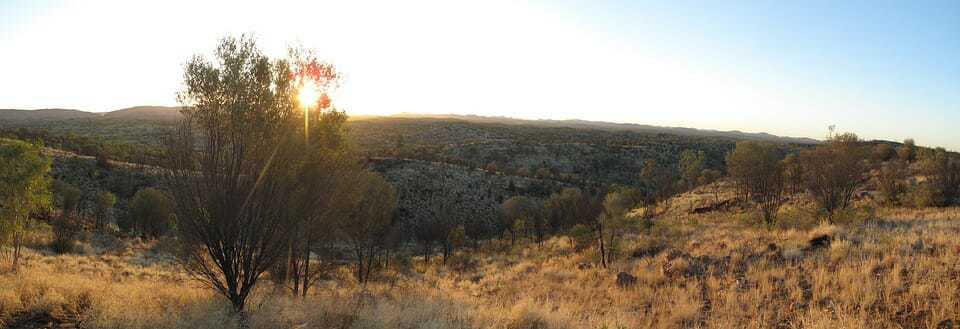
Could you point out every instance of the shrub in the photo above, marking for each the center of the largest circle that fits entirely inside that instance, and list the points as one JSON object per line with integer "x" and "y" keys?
{"x": 925, "y": 195}
{"x": 582, "y": 236}
{"x": 908, "y": 151}
{"x": 943, "y": 175}
{"x": 151, "y": 213}
{"x": 833, "y": 172}
{"x": 890, "y": 182}
{"x": 65, "y": 230}
{"x": 757, "y": 172}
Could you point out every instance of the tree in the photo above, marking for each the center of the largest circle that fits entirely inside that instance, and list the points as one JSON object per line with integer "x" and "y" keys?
{"x": 231, "y": 159}
{"x": 24, "y": 187}
{"x": 690, "y": 166}
{"x": 908, "y": 151}
{"x": 151, "y": 213}
{"x": 793, "y": 173}
{"x": 890, "y": 181}
{"x": 943, "y": 175}
{"x": 569, "y": 207}
{"x": 884, "y": 152}
{"x": 833, "y": 172}
{"x": 610, "y": 225}
{"x": 456, "y": 238}
{"x": 68, "y": 197}
{"x": 757, "y": 173}
{"x": 104, "y": 208}
{"x": 711, "y": 176}
{"x": 658, "y": 185}
{"x": 321, "y": 182}
{"x": 368, "y": 220}
{"x": 66, "y": 226}
{"x": 522, "y": 209}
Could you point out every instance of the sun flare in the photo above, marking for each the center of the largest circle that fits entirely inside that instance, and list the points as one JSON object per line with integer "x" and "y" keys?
{"x": 308, "y": 95}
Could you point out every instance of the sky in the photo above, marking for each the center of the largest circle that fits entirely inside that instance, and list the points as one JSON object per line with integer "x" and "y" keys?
{"x": 881, "y": 69}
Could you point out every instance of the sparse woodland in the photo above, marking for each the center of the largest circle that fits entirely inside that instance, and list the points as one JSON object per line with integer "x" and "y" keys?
{"x": 250, "y": 215}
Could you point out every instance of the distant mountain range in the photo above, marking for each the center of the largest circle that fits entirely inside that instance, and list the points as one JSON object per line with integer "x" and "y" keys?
{"x": 11, "y": 118}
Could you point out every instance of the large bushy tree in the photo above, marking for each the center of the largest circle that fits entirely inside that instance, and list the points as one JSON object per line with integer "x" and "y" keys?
{"x": 237, "y": 160}
{"x": 691, "y": 165}
{"x": 24, "y": 187}
{"x": 521, "y": 214}
{"x": 150, "y": 214}
{"x": 833, "y": 172}
{"x": 757, "y": 172}
{"x": 369, "y": 212}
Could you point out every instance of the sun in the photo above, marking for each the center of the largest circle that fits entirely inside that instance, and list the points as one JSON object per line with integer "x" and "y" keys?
{"x": 308, "y": 95}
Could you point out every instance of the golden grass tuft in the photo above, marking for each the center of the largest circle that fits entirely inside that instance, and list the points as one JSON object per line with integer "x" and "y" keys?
{"x": 898, "y": 270}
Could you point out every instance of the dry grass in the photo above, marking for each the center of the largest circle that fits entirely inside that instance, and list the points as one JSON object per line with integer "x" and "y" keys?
{"x": 702, "y": 271}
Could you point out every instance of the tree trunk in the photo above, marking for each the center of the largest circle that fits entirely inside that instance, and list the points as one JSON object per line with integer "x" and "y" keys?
{"x": 603, "y": 251}
{"x": 306, "y": 270}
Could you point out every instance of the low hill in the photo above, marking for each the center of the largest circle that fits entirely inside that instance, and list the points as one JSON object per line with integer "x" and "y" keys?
{"x": 148, "y": 113}
{"x": 614, "y": 126}
{"x": 11, "y": 117}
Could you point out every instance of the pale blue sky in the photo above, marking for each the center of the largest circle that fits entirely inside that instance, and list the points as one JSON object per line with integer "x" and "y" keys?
{"x": 882, "y": 69}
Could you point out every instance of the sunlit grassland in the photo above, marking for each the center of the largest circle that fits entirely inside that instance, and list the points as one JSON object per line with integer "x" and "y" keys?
{"x": 891, "y": 268}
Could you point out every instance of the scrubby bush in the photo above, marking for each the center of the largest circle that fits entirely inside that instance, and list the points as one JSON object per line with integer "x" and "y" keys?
{"x": 526, "y": 210}
{"x": 942, "y": 171}
{"x": 757, "y": 172}
{"x": 68, "y": 197}
{"x": 908, "y": 151}
{"x": 582, "y": 236}
{"x": 884, "y": 152}
{"x": 65, "y": 230}
{"x": 925, "y": 195}
{"x": 890, "y": 182}
{"x": 151, "y": 214}
{"x": 833, "y": 172}
{"x": 103, "y": 210}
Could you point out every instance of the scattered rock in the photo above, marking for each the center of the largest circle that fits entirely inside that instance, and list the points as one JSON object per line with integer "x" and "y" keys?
{"x": 476, "y": 278}
{"x": 946, "y": 324}
{"x": 820, "y": 241}
{"x": 624, "y": 279}
{"x": 773, "y": 247}
{"x": 917, "y": 245}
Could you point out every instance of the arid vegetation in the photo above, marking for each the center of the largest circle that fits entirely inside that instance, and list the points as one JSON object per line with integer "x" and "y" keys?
{"x": 262, "y": 213}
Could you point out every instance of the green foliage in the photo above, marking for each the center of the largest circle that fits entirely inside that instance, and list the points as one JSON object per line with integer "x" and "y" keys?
{"x": 521, "y": 214}
{"x": 151, "y": 214}
{"x": 570, "y": 207}
{"x": 833, "y": 172}
{"x": 68, "y": 197}
{"x": 104, "y": 208}
{"x": 24, "y": 184}
{"x": 366, "y": 219}
{"x": 621, "y": 201}
{"x": 942, "y": 171}
{"x": 757, "y": 172}
{"x": 691, "y": 165}
{"x": 24, "y": 187}
{"x": 582, "y": 236}
{"x": 457, "y": 237}
{"x": 925, "y": 195}
{"x": 65, "y": 229}
{"x": 890, "y": 182}
{"x": 908, "y": 151}
{"x": 121, "y": 140}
